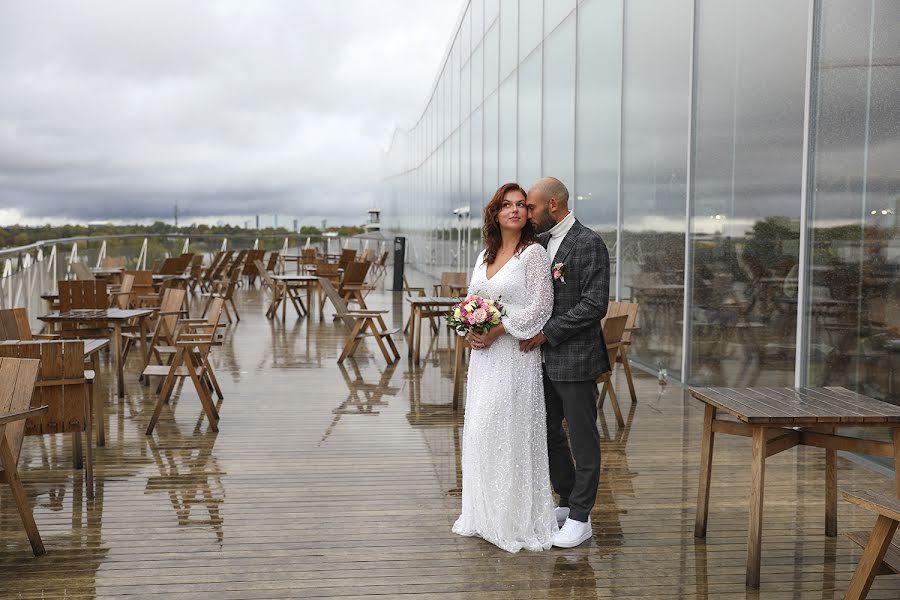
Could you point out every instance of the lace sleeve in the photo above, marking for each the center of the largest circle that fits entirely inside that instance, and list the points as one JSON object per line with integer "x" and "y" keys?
{"x": 528, "y": 321}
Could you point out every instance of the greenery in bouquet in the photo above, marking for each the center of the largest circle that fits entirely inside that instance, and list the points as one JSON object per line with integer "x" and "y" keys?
{"x": 475, "y": 313}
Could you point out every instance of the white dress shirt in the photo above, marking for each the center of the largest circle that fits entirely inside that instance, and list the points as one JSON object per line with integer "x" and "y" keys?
{"x": 557, "y": 233}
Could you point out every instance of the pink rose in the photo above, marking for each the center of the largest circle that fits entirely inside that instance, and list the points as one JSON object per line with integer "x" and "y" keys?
{"x": 480, "y": 316}
{"x": 555, "y": 274}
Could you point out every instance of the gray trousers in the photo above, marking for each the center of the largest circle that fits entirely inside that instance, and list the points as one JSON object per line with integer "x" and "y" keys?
{"x": 576, "y": 483}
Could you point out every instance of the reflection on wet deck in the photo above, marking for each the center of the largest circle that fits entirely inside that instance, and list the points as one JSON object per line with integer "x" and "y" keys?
{"x": 326, "y": 481}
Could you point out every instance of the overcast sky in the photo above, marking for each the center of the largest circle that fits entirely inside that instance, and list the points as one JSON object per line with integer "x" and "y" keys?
{"x": 112, "y": 110}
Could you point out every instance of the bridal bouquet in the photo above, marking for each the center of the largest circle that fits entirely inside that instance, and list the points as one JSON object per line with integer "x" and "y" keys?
{"x": 475, "y": 314}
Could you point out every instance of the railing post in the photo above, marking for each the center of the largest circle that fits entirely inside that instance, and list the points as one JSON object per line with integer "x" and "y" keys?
{"x": 142, "y": 257}
{"x": 7, "y": 267}
{"x": 51, "y": 264}
{"x": 187, "y": 245}
{"x": 73, "y": 257}
{"x": 224, "y": 244}
{"x": 256, "y": 244}
{"x": 101, "y": 255}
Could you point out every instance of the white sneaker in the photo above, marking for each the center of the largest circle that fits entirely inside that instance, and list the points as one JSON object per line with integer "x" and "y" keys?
{"x": 562, "y": 513}
{"x": 573, "y": 533}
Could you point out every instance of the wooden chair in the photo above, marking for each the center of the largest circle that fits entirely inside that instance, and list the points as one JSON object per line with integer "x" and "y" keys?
{"x": 613, "y": 330}
{"x": 121, "y": 297}
{"x": 141, "y": 287}
{"x": 191, "y": 360}
{"x": 329, "y": 271}
{"x": 164, "y": 330}
{"x": 881, "y": 554}
{"x": 309, "y": 257}
{"x": 79, "y": 295}
{"x": 81, "y": 272}
{"x": 226, "y": 292}
{"x": 64, "y": 387}
{"x": 629, "y": 309}
{"x": 164, "y": 347}
{"x": 272, "y": 263}
{"x": 362, "y": 324}
{"x": 14, "y": 325}
{"x": 250, "y": 270}
{"x": 379, "y": 267}
{"x": 449, "y": 281}
{"x": 347, "y": 256}
{"x": 18, "y": 377}
{"x": 113, "y": 263}
{"x": 352, "y": 286}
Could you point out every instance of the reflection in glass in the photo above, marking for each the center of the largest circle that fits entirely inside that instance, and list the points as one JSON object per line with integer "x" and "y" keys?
{"x": 747, "y": 169}
{"x": 854, "y": 274}
{"x": 508, "y": 134}
{"x": 597, "y": 115}
{"x": 529, "y": 134}
{"x": 654, "y": 175}
{"x": 531, "y": 21}
{"x": 559, "y": 105}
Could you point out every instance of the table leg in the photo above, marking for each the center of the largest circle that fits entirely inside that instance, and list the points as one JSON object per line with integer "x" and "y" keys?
{"x": 706, "y": 454}
{"x": 896, "y": 437}
{"x": 757, "y": 485}
{"x": 145, "y": 350}
{"x": 99, "y": 406}
{"x": 117, "y": 350}
{"x": 284, "y": 301}
{"x": 831, "y": 491}
{"x": 418, "y": 342}
{"x": 411, "y": 324}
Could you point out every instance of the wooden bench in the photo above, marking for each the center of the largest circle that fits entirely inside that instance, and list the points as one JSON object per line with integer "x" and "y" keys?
{"x": 17, "y": 378}
{"x": 881, "y": 555}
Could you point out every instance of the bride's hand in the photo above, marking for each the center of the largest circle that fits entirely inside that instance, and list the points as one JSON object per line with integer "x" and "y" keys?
{"x": 477, "y": 341}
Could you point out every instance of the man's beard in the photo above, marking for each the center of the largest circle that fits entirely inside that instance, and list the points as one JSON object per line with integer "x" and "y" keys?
{"x": 545, "y": 224}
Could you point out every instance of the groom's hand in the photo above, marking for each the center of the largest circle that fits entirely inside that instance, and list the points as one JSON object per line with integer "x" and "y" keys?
{"x": 531, "y": 344}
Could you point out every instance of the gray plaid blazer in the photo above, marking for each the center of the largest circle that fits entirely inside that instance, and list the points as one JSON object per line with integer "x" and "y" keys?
{"x": 575, "y": 350}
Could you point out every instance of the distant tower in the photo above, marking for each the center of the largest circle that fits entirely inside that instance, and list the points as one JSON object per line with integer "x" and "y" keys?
{"x": 257, "y": 222}
{"x": 276, "y": 220}
{"x": 176, "y": 213}
{"x": 295, "y": 226}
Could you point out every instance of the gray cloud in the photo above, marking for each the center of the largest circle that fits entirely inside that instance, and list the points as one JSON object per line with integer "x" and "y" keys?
{"x": 115, "y": 110}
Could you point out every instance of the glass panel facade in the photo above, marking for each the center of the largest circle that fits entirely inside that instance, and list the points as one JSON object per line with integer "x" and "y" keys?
{"x": 678, "y": 127}
{"x": 853, "y": 300}
{"x": 746, "y": 194}
{"x": 656, "y": 110}
{"x": 558, "y": 157}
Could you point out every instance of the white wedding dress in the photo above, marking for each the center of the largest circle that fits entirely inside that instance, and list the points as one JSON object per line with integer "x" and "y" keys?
{"x": 506, "y": 494}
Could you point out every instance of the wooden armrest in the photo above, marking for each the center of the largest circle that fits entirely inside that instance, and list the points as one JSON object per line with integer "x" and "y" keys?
{"x": 22, "y": 414}
{"x": 193, "y": 343}
{"x": 887, "y": 506}
{"x": 149, "y": 297}
{"x": 367, "y": 313}
{"x": 169, "y": 313}
{"x": 632, "y": 329}
{"x": 45, "y": 336}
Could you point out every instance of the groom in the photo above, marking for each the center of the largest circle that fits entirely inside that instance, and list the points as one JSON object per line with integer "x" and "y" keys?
{"x": 574, "y": 354}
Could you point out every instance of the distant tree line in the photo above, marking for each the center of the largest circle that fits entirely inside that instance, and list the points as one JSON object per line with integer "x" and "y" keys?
{"x": 20, "y": 235}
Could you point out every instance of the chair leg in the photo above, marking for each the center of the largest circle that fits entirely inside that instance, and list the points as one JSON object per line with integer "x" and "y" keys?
{"x": 237, "y": 315}
{"x": 870, "y": 562}
{"x": 212, "y": 378}
{"x": 21, "y": 498}
{"x": 352, "y": 342}
{"x": 166, "y": 391}
{"x": 374, "y": 329}
{"x": 626, "y": 366}
{"x": 614, "y": 401}
{"x": 205, "y": 399}
{"x": 77, "y": 451}
{"x": 89, "y": 441}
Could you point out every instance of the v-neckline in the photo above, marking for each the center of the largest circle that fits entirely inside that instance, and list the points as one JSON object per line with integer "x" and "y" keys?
{"x": 491, "y": 277}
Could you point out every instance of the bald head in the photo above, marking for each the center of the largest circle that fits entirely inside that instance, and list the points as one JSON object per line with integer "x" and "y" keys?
{"x": 547, "y": 202}
{"x": 551, "y": 187}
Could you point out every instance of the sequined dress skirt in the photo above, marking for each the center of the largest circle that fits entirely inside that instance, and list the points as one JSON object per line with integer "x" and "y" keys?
{"x": 506, "y": 494}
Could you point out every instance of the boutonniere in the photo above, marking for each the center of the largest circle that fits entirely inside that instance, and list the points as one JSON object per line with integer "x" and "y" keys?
{"x": 559, "y": 272}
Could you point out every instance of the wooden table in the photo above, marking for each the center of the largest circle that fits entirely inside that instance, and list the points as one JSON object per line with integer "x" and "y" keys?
{"x": 115, "y": 317}
{"x": 291, "y": 286}
{"x": 418, "y": 306}
{"x": 778, "y": 419}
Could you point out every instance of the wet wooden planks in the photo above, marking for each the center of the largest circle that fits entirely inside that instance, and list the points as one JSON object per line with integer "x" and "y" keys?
{"x": 324, "y": 484}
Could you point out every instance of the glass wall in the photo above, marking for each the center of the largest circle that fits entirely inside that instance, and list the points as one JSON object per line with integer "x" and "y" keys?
{"x": 705, "y": 140}
{"x": 853, "y": 300}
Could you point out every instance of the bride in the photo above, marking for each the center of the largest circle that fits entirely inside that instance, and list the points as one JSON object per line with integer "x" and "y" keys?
{"x": 506, "y": 494}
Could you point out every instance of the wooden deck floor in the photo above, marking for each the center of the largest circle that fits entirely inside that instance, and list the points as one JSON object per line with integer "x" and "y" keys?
{"x": 331, "y": 482}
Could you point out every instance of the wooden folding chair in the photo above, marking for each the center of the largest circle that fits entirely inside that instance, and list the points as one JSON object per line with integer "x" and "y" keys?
{"x": 352, "y": 287}
{"x": 17, "y": 379}
{"x": 117, "y": 262}
{"x": 450, "y": 281}
{"x": 613, "y": 329}
{"x": 226, "y": 292}
{"x": 630, "y": 310}
{"x": 166, "y": 325}
{"x": 191, "y": 360}
{"x": 64, "y": 387}
{"x": 347, "y": 256}
{"x": 77, "y": 295}
{"x": 881, "y": 554}
{"x": 362, "y": 324}
{"x": 121, "y": 296}
{"x": 81, "y": 272}
{"x": 14, "y": 325}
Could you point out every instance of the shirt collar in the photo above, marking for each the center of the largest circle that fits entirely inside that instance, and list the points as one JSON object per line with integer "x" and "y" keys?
{"x": 563, "y": 227}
